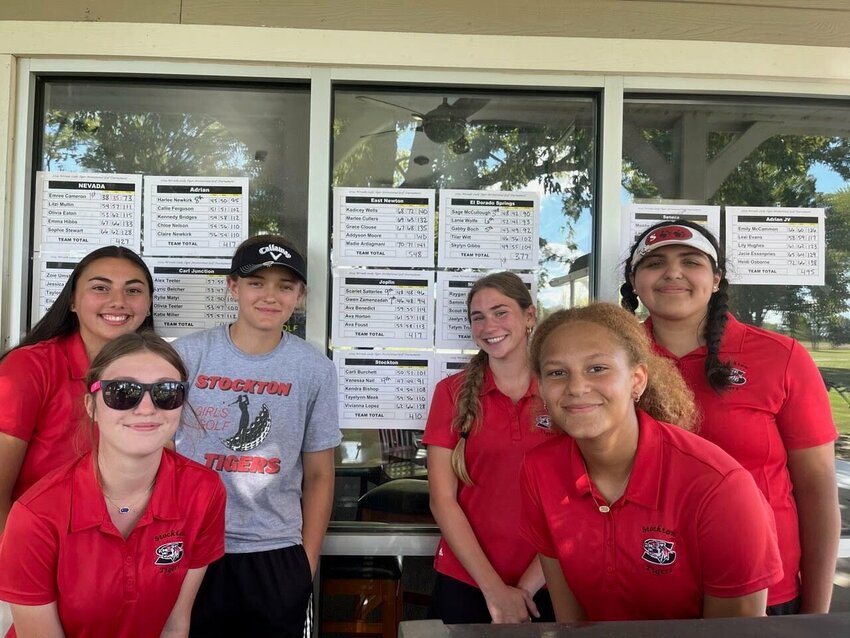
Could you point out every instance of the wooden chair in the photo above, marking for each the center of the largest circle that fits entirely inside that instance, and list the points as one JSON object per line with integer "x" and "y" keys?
{"x": 372, "y": 584}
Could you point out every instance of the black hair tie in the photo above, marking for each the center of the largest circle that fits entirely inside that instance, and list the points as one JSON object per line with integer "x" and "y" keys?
{"x": 464, "y": 435}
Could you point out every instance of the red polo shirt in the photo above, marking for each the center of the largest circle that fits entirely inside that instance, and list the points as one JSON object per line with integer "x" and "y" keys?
{"x": 494, "y": 455}
{"x": 41, "y": 391}
{"x": 691, "y": 522}
{"x": 777, "y": 402}
{"x": 61, "y": 546}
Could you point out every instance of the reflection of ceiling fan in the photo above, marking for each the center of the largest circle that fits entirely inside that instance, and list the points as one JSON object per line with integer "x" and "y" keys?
{"x": 444, "y": 124}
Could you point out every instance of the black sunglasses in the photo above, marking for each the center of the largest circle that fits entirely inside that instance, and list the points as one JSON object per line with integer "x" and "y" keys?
{"x": 126, "y": 395}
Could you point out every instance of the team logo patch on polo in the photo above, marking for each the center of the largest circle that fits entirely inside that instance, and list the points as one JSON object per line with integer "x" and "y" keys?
{"x": 169, "y": 553}
{"x": 737, "y": 377}
{"x": 658, "y": 552}
{"x": 667, "y": 233}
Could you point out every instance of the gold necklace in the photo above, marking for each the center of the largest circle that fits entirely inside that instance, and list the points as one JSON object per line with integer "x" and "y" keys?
{"x": 126, "y": 509}
{"x": 605, "y": 508}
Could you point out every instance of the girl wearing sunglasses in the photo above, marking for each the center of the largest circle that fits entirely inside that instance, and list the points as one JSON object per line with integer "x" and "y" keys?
{"x": 267, "y": 405}
{"x": 108, "y": 294}
{"x": 117, "y": 542}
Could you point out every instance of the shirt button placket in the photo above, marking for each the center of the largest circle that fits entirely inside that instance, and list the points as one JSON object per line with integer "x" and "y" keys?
{"x": 610, "y": 551}
{"x": 130, "y": 589}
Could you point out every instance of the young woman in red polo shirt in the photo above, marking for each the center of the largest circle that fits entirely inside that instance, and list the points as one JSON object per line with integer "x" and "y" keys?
{"x": 635, "y": 518}
{"x": 109, "y": 293}
{"x": 115, "y": 544}
{"x": 762, "y": 398}
{"x": 480, "y": 424}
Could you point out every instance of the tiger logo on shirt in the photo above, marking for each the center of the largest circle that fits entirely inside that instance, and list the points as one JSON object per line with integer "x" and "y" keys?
{"x": 658, "y": 552}
{"x": 169, "y": 553}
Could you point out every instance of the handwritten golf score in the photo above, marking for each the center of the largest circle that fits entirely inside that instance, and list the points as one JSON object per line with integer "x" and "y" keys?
{"x": 768, "y": 245}
{"x": 452, "y": 324}
{"x": 382, "y": 389}
{"x": 51, "y": 271}
{"x": 190, "y": 295}
{"x": 639, "y": 217}
{"x": 82, "y": 211}
{"x": 489, "y": 229}
{"x": 197, "y": 216}
{"x": 383, "y": 308}
{"x": 449, "y": 364}
{"x": 384, "y": 227}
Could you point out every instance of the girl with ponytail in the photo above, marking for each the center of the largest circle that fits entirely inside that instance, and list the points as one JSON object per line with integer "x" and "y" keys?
{"x": 761, "y": 397}
{"x": 481, "y": 423}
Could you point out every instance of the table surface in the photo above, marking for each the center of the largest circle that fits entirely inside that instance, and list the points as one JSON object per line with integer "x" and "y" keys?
{"x": 808, "y": 626}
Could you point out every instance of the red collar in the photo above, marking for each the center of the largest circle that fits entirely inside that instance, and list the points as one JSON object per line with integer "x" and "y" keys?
{"x": 88, "y": 507}
{"x": 489, "y": 385}
{"x": 732, "y": 340}
{"x": 75, "y": 351}
{"x": 644, "y": 487}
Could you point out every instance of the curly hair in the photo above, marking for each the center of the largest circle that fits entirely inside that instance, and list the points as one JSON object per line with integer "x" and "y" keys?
{"x": 666, "y": 397}
{"x": 717, "y": 372}
{"x": 468, "y": 411}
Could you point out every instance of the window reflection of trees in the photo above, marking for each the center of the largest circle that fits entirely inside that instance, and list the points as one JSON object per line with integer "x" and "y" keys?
{"x": 760, "y": 154}
{"x": 153, "y": 129}
{"x": 753, "y": 156}
{"x": 485, "y": 141}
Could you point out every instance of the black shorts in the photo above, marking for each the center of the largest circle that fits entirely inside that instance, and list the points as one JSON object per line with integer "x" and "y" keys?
{"x": 785, "y": 609}
{"x": 455, "y": 602}
{"x": 256, "y": 594}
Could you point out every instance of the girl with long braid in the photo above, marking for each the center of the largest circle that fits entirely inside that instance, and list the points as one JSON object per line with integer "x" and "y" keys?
{"x": 481, "y": 423}
{"x": 761, "y": 396}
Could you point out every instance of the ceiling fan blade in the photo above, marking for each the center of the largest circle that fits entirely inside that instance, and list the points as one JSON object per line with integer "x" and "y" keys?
{"x": 465, "y": 106}
{"x": 416, "y": 114}
{"x": 389, "y": 130}
{"x": 505, "y": 123}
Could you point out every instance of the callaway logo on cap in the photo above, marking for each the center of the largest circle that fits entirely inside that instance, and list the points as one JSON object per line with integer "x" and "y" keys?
{"x": 251, "y": 258}
{"x": 673, "y": 235}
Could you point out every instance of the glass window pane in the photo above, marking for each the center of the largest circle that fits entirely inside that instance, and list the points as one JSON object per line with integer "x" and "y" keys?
{"x": 483, "y": 140}
{"x": 488, "y": 141}
{"x": 760, "y": 153}
{"x": 188, "y": 129}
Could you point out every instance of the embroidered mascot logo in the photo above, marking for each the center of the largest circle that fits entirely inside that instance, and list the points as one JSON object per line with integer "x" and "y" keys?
{"x": 658, "y": 552}
{"x": 544, "y": 422}
{"x": 737, "y": 377}
{"x": 169, "y": 553}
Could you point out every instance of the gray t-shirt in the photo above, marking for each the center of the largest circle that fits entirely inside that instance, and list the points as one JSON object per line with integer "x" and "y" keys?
{"x": 251, "y": 417}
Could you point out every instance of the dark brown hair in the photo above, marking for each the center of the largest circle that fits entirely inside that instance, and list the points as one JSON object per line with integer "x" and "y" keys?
{"x": 60, "y": 321}
{"x": 717, "y": 372}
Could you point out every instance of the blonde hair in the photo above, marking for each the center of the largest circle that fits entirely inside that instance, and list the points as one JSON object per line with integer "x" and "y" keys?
{"x": 666, "y": 397}
{"x": 468, "y": 415}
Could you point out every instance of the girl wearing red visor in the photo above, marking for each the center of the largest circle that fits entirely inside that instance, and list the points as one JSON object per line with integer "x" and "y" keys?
{"x": 761, "y": 397}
